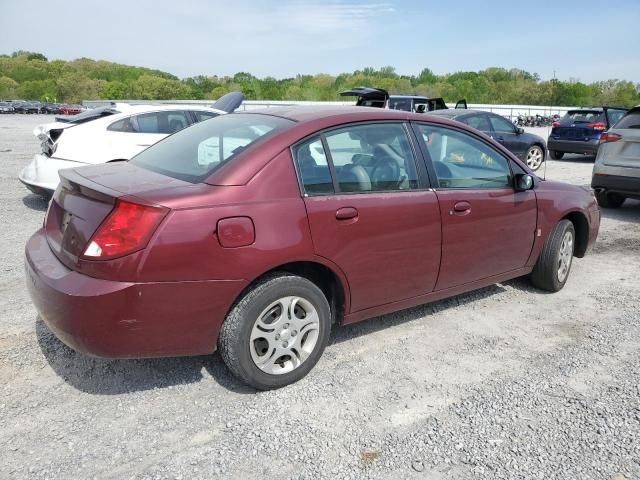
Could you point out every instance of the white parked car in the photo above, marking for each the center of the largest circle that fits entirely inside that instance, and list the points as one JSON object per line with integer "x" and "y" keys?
{"x": 110, "y": 134}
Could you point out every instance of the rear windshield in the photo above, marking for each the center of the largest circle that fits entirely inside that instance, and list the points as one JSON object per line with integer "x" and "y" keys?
{"x": 631, "y": 120}
{"x": 194, "y": 153}
{"x": 587, "y": 116}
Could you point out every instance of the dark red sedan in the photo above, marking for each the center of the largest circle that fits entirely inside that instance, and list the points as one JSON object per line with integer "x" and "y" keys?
{"x": 253, "y": 233}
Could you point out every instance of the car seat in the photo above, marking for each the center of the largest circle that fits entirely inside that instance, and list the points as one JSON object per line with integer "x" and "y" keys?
{"x": 353, "y": 178}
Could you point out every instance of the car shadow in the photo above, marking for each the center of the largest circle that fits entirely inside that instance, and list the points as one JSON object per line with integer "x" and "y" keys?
{"x": 575, "y": 158}
{"x": 35, "y": 202}
{"x": 628, "y": 212}
{"x": 99, "y": 376}
{"x": 349, "y": 332}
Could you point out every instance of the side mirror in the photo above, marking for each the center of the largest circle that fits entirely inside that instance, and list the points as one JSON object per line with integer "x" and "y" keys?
{"x": 519, "y": 130}
{"x": 523, "y": 182}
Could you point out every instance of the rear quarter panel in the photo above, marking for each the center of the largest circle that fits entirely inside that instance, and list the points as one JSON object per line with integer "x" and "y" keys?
{"x": 187, "y": 247}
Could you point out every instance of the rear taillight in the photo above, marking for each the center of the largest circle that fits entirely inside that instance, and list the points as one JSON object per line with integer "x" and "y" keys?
{"x": 127, "y": 229}
{"x": 555, "y": 124}
{"x": 610, "y": 137}
{"x": 598, "y": 126}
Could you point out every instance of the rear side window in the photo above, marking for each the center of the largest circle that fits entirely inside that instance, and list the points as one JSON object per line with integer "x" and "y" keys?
{"x": 631, "y": 120}
{"x": 194, "y": 153}
{"x": 462, "y": 161}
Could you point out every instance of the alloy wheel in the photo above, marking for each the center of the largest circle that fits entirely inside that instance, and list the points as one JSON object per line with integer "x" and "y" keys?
{"x": 284, "y": 335}
{"x": 566, "y": 254}
{"x": 534, "y": 157}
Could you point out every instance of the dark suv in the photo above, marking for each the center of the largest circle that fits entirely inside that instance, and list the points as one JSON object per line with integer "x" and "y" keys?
{"x": 579, "y": 130}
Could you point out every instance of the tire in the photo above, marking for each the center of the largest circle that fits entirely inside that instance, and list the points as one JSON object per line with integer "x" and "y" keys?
{"x": 609, "y": 200}
{"x": 554, "y": 263}
{"x": 556, "y": 155}
{"x": 267, "y": 304}
{"x": 535, "y": 157}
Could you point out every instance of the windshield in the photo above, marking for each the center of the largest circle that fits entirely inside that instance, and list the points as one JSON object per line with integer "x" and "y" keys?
{"x": 194, "y": 153}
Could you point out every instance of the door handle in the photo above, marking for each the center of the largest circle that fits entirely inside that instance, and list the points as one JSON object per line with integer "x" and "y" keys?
{"x": 500, "y": 139}
{"x": 461, "y": 208}
{"x": 346, "y": 213}
{"x": 143, "y": 145}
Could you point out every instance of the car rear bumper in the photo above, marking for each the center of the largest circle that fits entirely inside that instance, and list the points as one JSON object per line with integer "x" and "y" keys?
{"x": 125, "y": 319}
{"x": 589, "y": 147}
{"x": 627, "y": 186}
{"x": 41, "y": 175}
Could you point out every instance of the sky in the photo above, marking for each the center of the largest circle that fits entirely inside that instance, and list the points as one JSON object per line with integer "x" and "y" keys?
{"x": 583, "y": 40}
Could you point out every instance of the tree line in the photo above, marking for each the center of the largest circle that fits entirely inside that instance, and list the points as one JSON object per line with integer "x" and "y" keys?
{"x": 31, "y": 76}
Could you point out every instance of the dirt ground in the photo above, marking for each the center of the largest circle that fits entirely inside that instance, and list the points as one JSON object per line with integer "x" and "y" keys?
{"x": 504, "y": 382}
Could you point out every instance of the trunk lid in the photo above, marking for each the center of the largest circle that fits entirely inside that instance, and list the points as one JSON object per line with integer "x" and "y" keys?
{"x": 87, "y": 195}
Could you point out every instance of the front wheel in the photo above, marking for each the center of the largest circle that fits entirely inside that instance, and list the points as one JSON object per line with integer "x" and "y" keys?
{"x": 535, "y": 157}
{"x": 554, "y": 263}
{"x": 556, "y": 155}
{"x": 277, "y": 332}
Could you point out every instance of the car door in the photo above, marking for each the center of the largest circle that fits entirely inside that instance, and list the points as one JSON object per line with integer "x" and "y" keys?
{"x": 504, "y": 132}
{"x": 487, "y": 227}
{"x": 369, "y": 212}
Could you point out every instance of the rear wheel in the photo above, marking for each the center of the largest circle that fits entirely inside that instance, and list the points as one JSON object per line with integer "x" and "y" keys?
{"x": 554, "y": 263}
{"x": 609, "y": 200}
{"x": 535, "y": 157}
{"x": 556, "y": 155}
{"x": 277, "y": 332}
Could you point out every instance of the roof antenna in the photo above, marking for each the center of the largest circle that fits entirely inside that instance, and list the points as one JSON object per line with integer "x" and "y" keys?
{"x": 553, "y": 94}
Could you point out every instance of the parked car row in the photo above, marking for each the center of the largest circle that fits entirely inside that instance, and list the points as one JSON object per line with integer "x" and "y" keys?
{"x": 254, "y": 233}
{"x": 110, "y": 134}
{"x": 22, "y": 106}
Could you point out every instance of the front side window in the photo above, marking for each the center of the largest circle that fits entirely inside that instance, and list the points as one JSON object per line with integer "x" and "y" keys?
{"x": 479, "y": 122}
{"x": 500, "y": 124}
{"x": 373, "y": 157}
{"x": 462, "y": 161}
{"x": 194, "y": 153}
{"x": 160, "y": 122}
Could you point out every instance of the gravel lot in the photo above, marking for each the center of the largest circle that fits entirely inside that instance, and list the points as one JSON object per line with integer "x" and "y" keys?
{"x": 505, "y": 382}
